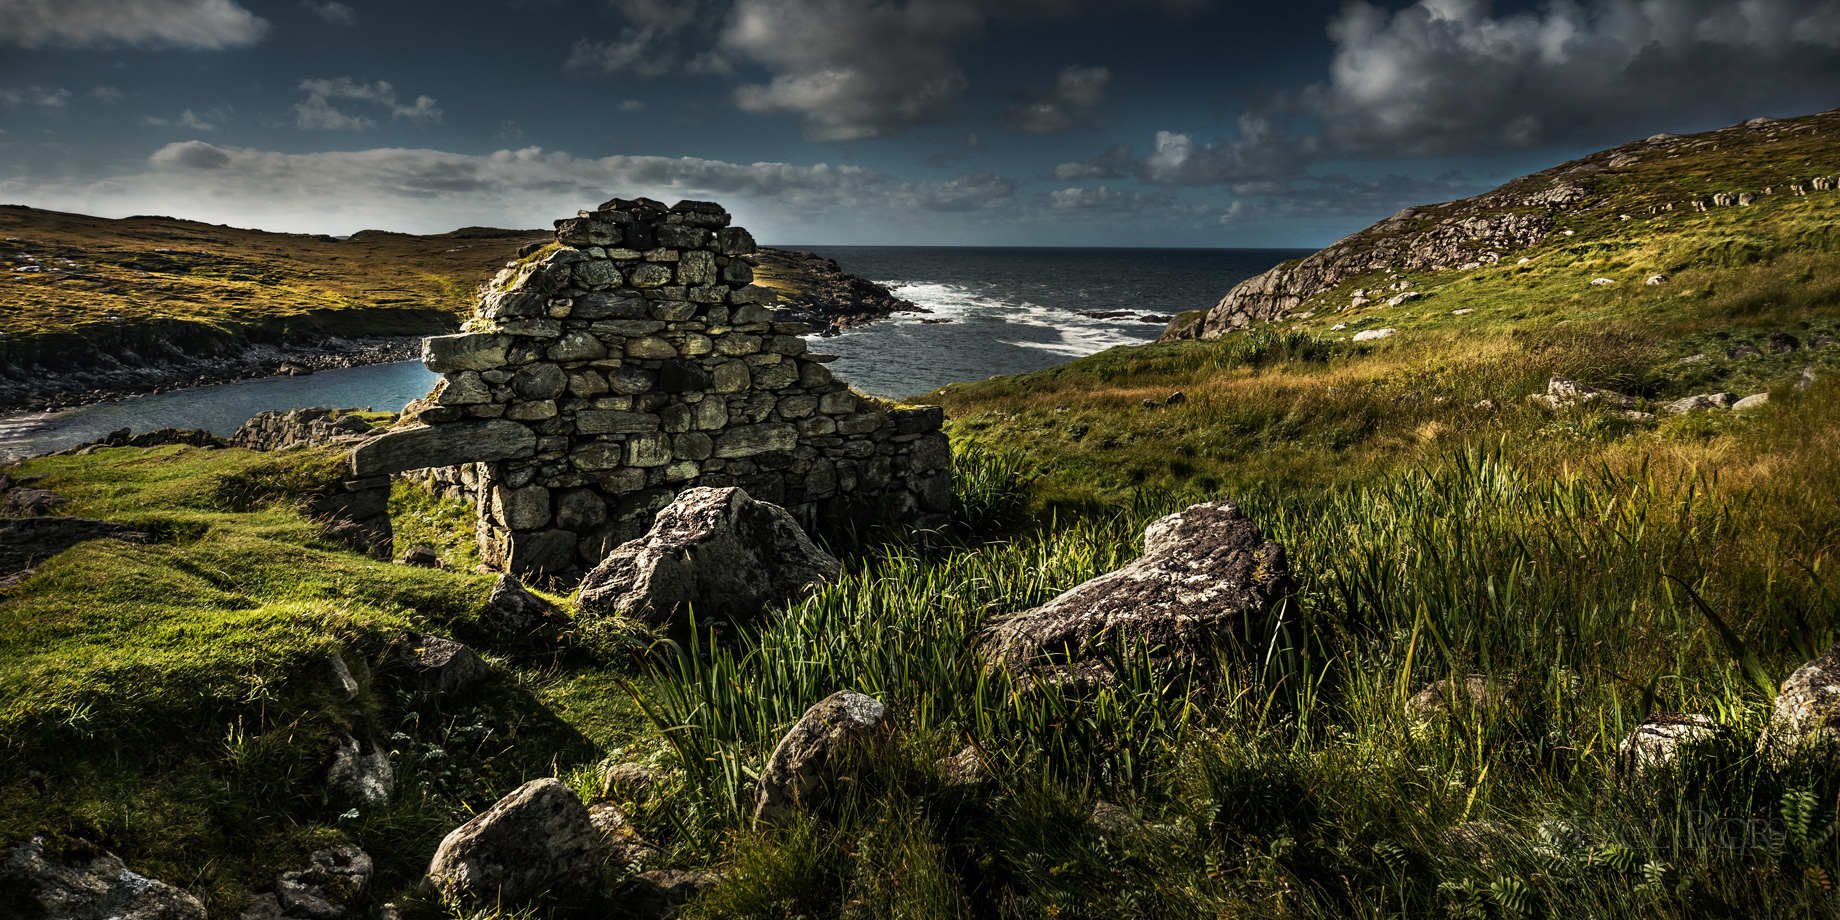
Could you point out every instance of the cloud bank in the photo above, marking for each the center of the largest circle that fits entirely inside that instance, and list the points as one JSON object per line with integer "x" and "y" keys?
{"x": 153, "y": 24}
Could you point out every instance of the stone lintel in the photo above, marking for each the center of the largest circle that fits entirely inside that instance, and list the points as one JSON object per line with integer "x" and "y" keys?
{"x": 442, "y": 445}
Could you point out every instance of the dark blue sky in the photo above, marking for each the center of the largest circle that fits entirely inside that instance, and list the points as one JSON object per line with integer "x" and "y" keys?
{"x": 971, "y": 122}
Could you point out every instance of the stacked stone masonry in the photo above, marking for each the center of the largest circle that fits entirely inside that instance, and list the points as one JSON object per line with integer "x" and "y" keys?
{"x": 631, "y": 361}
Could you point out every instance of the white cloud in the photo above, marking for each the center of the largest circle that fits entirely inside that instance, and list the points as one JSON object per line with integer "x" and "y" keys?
{"x": 35, "y": 95}
{"x": 1452, "y": 76}
{"x": 1102, "y": 200}
{"x": 317, "y": 113}
{"x": 108, "y": 94}
{"x": 650, "y": 44}
{"x": 189, "y": 120}
{"x": 1077, "y": 94}
{"x": 1108, "y": 165}
{"x": 193, "y": 24}
{"x": 974, "y": 191}
{"x": 332, "y": 11}
{"x": 632, "y": 105}
{"x": 1259, "y": 151}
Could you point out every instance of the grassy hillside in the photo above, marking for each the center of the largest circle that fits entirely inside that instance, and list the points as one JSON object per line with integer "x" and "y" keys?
{"x": 71, "y": 278}
{"x": 171, "y": 700}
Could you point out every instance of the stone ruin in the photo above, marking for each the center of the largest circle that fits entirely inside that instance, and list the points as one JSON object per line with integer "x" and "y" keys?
{"x": 635, "y": 359}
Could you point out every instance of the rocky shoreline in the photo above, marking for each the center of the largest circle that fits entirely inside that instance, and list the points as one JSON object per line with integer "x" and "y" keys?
{"x": 822, "y": 295}
{"x": 114, "y": 377}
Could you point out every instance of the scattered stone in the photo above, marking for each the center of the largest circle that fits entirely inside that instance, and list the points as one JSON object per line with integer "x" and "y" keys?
{"x": 1807, "y": 714}
{"x": 1754, "y": 401}
{"x": 1743, "y": 351}
{"x": 1488, "y": 405}
{"x": 1116, "y": 820}
{"x": 806, "y": 759}
{"x": 1373, "y": 334}
{"x": 1570, "y": 392}
{"x": 537, "y": 842}
{"x": 442, "y": 666}
{"x": 1655, "y": 280}
{"x": 341, "y": 677}
{"x": 422, "y": 557}
{"x": 1150, "y": 403}
{"x": 1807, "y": 378}
{"x": 1695, "y": 359}
{"x": 1440, "y": 697}
{"x": 1657, "y": 743}
{"x": 360, "y": 771}
{"x": 965, "y": 768}
{"x": 62, "y": 878}
{"x": 1463, "y": 312}
{"x": 619, "y": 838}
{"x": 514, "y": 609}
{"x": 1783, "y": 342}
{"x": 1406, "y": 297}
{"x": 1176, "y": 398}
{"x": 1823, "y": 341}
{"x": 1698, "y": 403}
{"x": 1603, "y": 281}
{"x": 715, "y": 551}
{"x": 1207, "y": 574}
{"x": 332, "y": 886}
{"x": 631, "y": 782}
{"x": 662, "y": 891}
{"x": 1635, "y": 415}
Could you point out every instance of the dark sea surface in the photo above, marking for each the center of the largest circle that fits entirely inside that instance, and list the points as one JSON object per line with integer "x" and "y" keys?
{"x": 1018, "y": 309}
{"x": 1011, "y": 310}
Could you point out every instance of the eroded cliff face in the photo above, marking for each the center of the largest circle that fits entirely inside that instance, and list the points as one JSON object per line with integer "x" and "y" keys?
{"x": 1517, "y": 216}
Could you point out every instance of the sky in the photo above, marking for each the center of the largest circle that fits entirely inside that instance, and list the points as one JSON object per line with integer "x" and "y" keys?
{"x": 1214, "y": 123}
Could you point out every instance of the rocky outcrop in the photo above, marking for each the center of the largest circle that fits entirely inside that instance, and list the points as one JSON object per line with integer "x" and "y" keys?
{"x": 537, "y": 842}
{"x": 513, "y": 608}
{"x": 1207, "y": 577}
{"x": 796, "y": 776}
{"x": 638, "y": 360}
{"x": 70, "y": 879}
{"x": 716, "y": 552}
{"x": 360, "y": 771}
{"x": 814, "y": 290}
{"x": 125, "y": 437}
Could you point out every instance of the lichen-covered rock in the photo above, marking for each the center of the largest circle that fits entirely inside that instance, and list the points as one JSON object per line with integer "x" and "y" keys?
{"x": 442, "y": 666}
{"x": 806, "y": 758}
{"x": 1658, "y": 742}
{"x": 513, "y": 608}
{"x": 1440, "y": 697}
{"x": 537, "y": 842}
{"x": 360, "y": 772}
{"x": 332, "y": 886}
{"x": 713, "y": 550}
{"x": 1207, "y": 576}
{"x": 70, "y": 879}
{"x": 1807, "y": 714}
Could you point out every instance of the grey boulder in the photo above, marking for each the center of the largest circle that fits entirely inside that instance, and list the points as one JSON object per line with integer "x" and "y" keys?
{"x": 332, "y": 886}
{"x": 1807, "y": 714}
{"x": 1441, "y": 697}
{"x": 1660, "y": 740}
{"x": 537, "y": 842}
{"x": 70, "y": 879}
{"x": 1207, "y": 576}
{"x": 442, "y": 666}
{"x": 513, "y": 608}
{"x": 715, "y": 551}
{"x": 806, "y": 759}
{"x": 360, "y": 770}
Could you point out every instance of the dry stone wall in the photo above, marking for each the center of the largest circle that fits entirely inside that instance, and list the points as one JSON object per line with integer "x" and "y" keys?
{"x": 636, "y": 359}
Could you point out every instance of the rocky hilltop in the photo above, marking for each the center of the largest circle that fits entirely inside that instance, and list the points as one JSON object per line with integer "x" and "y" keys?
{"x": 814, "y": 290}
{"x": 1655, "y": 179}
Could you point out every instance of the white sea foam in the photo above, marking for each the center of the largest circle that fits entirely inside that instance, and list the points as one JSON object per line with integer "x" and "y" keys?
{"x": 1074, "y": 335}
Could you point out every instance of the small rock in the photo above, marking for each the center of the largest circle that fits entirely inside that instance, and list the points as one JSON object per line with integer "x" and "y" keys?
{"x": 1695, "y": 359}
{"x": 422, "y": 557}
{"x": 537, "y": 842}
{"x": 1699, "y": 403}
{"x": 1635, "y": 415}
{"x": 662, "y": 891}
{"x": 1463, "y": 312}
{"x": 1406, "y": 297}
{"x": 513, "y": 608}
{"x": 1476, "y": 691}
{"x": 1783, "y": 342}
{"x": 332, "y": 886}
{"x": 1823, "y": 341}
{"x": 1754, "y": 401}
{"x": 1603, "y": 281}
{"x": 629, "y": 781}
{"x": 1150, "y": 403}
{"x": 1807, "y": 379}
{"x": 1567, "y": 392}
{"x": 1373, "y": 334}
{"x": 1658, "y": 741}
{"x": 62, "y": 878}
{"x": 442, "y": 666}
{"x": 341, "y": 677}
{"x": 1655, "y": 279}
{"x": 964, "y": 768}
{"x": 1488, "y": 405}
{"x": 1112, "y": 819}
{"x": 623, "y": 845}
{"x": 807, "y": 757}
{"x": 360, "y": 770}
{"x": 1176, "y": 398}
{"x": 1744, "y": 351}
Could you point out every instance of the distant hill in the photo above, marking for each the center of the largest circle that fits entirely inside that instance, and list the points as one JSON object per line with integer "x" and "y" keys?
{"x": 1663, "y": 205}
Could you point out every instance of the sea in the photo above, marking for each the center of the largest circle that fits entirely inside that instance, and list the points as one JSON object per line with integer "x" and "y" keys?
{"x": 1005, "y": 310}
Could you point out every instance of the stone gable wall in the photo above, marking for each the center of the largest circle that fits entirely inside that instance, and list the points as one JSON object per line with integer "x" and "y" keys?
{"x": 643, "y": 361}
